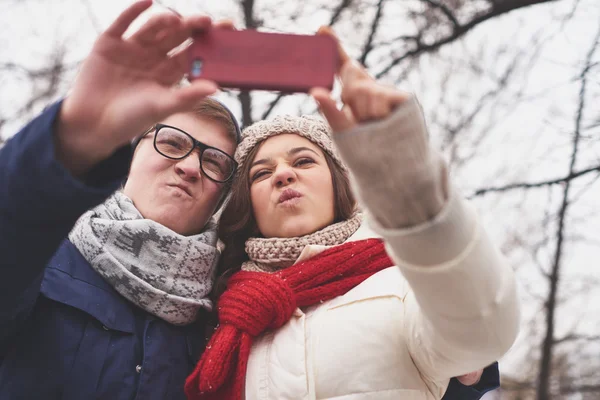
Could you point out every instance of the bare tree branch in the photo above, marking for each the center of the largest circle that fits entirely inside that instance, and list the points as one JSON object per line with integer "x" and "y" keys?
{"x": 338, "y": 11}
{"x": 469, "y": 117}
{"x": 244, "y": 96}
{"x": 497, "y": 9}
{"x": 92, "y": 16}
{"x": 344, "y": 4}
{"x": 579, "y": 389}
{"x": 246, "y": 103}
{"x": 272, "y": 105}
{"x": 575, "y": 337}
{"x": 248, "y": 10}
{"x": 374, "y": 27}
{"x": 41, "y": 73}
{"x": 445, "y": 10}
{"x": 545, "y": 369}
{"x": 45, "y": 83}
{"x": 524, "y": 185}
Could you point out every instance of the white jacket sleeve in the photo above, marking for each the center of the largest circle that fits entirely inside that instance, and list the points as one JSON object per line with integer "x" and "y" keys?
{"x": 462, "y": 312}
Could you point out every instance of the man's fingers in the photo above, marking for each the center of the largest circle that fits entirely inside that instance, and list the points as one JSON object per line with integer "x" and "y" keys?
{"x": 197, "y": 23}
{"x": 173, "y": 69}
{"x": 225, "y": 24}
{"x": 184, "y": 98}
{"x": 157, "y": 30}
{"x": 120, "y": 25}
{"x": 338, "y": 120}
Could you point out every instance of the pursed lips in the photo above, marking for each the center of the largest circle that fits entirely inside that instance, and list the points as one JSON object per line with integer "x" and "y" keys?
{"x": 289, "y": 194}
{"x": 185, "y": 188}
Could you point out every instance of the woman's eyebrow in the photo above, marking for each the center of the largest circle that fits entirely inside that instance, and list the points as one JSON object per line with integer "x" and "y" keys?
{"x": 262, "y": 161}
{"x": 290, "y": 152}
{"x": 299, "y": 149}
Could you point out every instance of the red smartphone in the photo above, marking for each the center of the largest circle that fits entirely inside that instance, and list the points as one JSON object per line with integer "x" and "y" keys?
{"x": 255, "y": 60}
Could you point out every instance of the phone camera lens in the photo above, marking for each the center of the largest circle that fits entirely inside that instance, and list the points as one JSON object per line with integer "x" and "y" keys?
{"x": 196, "y": 68}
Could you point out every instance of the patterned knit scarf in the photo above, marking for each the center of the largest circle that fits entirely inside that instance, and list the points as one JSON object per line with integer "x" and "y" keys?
{"x": 273, "y": 254}
{"x": 255, "y": 302}
{"x": 162, "y": 272}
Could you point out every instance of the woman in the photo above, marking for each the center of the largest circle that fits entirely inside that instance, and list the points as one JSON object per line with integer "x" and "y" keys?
{"x": 118, "y": 310}
{"x": 322, "y": 307}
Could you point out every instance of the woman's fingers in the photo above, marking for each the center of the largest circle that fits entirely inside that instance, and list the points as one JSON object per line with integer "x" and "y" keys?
{"x": 379, "y": 106}
{"x": 327, "y": 30}
{"x": 394, "y": 96}
{"x": 339, "y": 120}
{"x": 358, "y": 95}
{"x": 370, "y": 100}
{"x": 352, "y": 72}
{"x": 349, "y": 69}
{"x": 367, "y": 99}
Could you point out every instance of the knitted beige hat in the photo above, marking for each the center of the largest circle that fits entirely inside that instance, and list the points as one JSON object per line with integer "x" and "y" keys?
{"x": 310, "y": 127}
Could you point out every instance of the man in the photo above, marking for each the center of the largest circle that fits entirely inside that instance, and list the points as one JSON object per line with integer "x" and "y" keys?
{"x": 118, "y": 309}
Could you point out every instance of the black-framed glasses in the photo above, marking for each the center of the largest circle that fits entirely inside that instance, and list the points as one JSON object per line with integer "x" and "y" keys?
{"x": 173, "y": 143}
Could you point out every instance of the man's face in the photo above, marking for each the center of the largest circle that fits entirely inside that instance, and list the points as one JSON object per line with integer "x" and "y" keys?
{"x": 175, "y": 193}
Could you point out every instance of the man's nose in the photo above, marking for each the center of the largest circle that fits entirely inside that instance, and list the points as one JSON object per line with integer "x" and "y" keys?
{"x": 189, "y": 167}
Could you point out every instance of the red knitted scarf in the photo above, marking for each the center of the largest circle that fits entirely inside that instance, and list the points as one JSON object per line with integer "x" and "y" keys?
{"x": 255, "y": 302}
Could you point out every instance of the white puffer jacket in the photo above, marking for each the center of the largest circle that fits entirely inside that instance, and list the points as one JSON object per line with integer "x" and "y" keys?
{"x": 402, "y": 333}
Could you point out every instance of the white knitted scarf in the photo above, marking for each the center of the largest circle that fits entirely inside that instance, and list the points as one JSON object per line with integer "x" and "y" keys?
{"x": 164, "y": 273}
{"x": 273, "y": 254}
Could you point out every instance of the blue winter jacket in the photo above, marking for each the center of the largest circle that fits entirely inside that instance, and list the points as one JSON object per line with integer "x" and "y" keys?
{"x": 65, "y": 334}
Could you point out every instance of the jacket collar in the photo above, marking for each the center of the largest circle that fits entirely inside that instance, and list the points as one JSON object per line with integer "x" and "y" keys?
{"x": 69, "y": 279}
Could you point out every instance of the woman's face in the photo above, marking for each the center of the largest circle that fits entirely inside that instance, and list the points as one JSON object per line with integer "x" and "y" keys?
{"x": 175, "y": 193}
{"x": 290, "y": 187}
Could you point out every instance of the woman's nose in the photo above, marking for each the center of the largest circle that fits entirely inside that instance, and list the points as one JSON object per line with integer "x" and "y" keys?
{"x": 284, "y": 176}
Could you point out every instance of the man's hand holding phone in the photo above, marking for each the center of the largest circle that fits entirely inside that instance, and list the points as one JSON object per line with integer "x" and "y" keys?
{"x": 126, "y": 84}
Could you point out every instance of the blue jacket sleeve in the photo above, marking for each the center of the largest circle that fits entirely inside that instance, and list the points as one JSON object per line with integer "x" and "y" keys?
{"x": 39, "y": 203}
{"x": 490, "y": 380}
